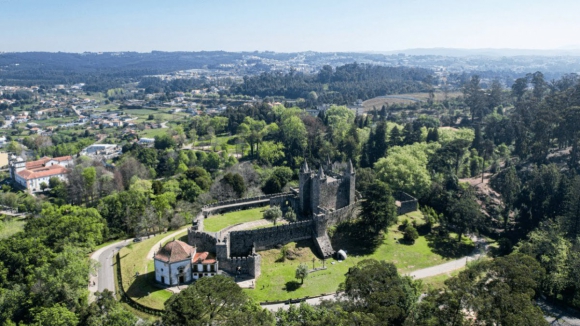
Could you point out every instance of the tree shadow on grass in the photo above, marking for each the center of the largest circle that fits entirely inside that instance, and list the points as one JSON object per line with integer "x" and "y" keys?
{"x": 449, "y": 247}
{"x": 142, "y": 286}
{"x": 355, "y": 239}
{"x": 292, "y": 286}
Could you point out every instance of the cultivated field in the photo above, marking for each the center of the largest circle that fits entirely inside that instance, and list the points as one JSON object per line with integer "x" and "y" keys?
{"x": 409, "y": 98}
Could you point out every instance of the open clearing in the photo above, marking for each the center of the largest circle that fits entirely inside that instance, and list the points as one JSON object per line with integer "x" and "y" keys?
{"x": 277, "y": 281}
{"x": 378, "y": 102}
{"x": 10, "y": 226}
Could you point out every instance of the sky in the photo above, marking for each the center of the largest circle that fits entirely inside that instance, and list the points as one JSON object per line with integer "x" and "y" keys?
{"x": 286, "y": 25}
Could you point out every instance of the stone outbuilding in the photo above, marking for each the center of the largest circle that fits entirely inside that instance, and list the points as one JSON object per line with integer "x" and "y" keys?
{"x": 179, "y": 263}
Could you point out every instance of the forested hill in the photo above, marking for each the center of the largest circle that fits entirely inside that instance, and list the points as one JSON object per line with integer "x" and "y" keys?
{"x": 66, "y": 68}
{"x": 342, "y": 85}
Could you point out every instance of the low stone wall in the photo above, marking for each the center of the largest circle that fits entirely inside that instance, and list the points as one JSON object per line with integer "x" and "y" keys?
{"x": 407, "y": 202}
{"x": 242, "y": 242}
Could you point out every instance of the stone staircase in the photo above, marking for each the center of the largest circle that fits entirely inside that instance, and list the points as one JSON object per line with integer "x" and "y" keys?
{"x": 323, "y": 245}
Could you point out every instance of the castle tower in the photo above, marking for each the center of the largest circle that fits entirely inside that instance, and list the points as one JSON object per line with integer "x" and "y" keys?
{"x": 350, "y": 177}
{"x": 305, "y": 189}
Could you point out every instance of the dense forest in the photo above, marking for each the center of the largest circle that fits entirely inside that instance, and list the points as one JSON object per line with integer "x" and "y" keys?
{"x": 343, "y": 85}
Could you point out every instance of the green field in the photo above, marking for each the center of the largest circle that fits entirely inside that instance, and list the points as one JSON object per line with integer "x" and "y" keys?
{"x": 215, "y": 223}
{"x": 10, "y": 226}
{"x": 151, "y": 133}
{"x": 277, "y": 280}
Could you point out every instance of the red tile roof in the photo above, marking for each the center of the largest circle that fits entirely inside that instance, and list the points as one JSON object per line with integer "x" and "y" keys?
{"x": 40, "y": 163}
{"x": 37, "y": 164}
{"x": 175, "y": 251}
{"x": 42, "y": 172}
{"x": 203, "y": 257}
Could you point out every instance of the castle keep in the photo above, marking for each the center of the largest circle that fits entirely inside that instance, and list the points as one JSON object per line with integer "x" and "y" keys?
{"x": 324, "y": 198}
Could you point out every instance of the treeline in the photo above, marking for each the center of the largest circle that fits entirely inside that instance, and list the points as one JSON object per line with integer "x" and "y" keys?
{"x": 101, "y": 71}
{"x": 342, "y": 85}
{"x": 156, "y": 85}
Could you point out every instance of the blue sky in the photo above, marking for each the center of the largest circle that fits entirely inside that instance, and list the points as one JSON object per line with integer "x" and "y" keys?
{"x": 286, "y": 26}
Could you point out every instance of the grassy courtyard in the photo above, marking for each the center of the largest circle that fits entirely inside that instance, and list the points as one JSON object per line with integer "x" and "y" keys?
{"x": 277, "y": 281}
{"x": 215, "y": 223}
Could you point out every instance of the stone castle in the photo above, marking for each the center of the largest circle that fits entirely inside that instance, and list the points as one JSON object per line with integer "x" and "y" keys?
{"x": 324, "y": 198}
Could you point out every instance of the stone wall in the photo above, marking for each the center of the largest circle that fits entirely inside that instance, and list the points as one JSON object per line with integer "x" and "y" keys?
{"x": 242, "y": 242}
{"x": 406, "y": 203}
{"x": 203, "y": 241}
{"x": 340, "y": 215}
{"x": 249, "y": 265}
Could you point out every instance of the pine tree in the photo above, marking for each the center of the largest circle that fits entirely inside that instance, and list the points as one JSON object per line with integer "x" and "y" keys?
{"x": 395, "y": 137}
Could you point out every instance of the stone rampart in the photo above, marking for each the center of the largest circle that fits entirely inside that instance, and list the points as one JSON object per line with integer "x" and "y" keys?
{"x": 248, "y": 265}
{"x": 341, "y": 215}
{"x": 203, "y": 241}
{"x": 405, "y": 203}
{"x": 243, "y": 200}
{"x": 242, "y": 242}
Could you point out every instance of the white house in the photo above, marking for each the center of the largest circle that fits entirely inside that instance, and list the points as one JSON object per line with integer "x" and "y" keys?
{"x": 179, "y": 263}
{"x": 31, "y": 175}
{"x": 146, "y": 141}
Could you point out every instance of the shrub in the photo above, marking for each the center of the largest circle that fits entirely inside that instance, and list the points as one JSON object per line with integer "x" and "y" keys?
{"x": 411, "y": 234}
{"x": 290, "y": 216}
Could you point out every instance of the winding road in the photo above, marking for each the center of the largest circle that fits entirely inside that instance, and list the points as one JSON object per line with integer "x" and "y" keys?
{"x": 105, "y": 277}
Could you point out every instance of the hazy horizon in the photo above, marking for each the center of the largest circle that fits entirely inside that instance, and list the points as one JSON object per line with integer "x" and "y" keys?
{"x": 257, "y": 25}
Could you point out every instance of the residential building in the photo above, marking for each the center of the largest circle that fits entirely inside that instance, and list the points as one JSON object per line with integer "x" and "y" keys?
{"x": 30, "y": 175}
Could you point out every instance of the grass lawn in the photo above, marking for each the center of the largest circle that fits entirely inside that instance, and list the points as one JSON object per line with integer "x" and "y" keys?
{"x": 215, "y": 223}
{"x": 140, "y": 288}
{"x": 151, "y": 133}
{"x": 438, "y": 281}
{"x": 277, "y": 280}
{"x": 10, "y": 226}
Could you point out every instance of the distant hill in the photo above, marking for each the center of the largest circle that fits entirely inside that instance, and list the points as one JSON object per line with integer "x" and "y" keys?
{"x": 451, "y": 52}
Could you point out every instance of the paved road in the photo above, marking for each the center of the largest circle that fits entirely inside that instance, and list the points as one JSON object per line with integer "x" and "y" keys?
{"x": 559, "y": 316}
{"x": 105, "y": 278}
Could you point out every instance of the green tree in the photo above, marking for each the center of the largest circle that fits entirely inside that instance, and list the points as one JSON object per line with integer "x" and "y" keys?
{"x": 379, "y": 209}
{"x": 210, "y": 300}
{"x": 164, "y": 141}
{"x": 376, "y": 287}
{"x": 410, "y": 234}
{"x": 273, "y": 214}
{"x": 107, "y": 311}
{"x": 464, "y": 213}
{"x": 57, "y": 315}
{"x": 301, "y": 272}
